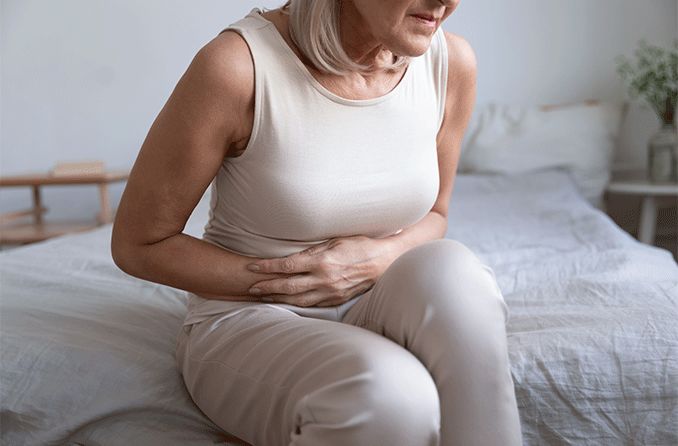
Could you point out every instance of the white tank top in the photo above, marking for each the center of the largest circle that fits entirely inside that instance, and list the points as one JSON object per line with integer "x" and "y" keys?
{"x": 318, "y": 165}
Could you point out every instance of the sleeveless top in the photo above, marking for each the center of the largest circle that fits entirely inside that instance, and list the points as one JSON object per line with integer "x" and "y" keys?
{"x": 318, "y": 165}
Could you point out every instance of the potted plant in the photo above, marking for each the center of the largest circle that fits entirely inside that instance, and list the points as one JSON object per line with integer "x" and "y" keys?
{"x": 654, "y": 76}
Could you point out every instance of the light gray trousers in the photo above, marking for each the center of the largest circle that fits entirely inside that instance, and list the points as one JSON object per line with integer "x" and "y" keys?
{"x": 420, "y": 359}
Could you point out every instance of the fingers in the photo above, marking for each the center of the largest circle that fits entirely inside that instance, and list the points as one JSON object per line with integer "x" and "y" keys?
{"x": 284, "y": 285}
{"x": 352, "y": 292}
{"x": 299, "y": 262}
{"x": 331, "y": 302}
{"x": 306, "y": 299}
{"x": 318, "y": 298}
{"x": 315, "y": 249}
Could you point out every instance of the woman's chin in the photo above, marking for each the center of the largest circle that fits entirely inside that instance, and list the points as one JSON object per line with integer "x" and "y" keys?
{"x": 416, "y": 46}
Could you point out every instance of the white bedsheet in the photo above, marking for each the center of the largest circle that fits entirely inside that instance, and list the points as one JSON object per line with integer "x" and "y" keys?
{"x": 88, "y": 351}
{"x": 593, "y": 325}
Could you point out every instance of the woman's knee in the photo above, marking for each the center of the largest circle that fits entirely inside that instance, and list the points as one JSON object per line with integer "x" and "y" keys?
{"x": 446, "y": 274}
{"x": 435, "y": 255}
{"x": 389, "y": 397}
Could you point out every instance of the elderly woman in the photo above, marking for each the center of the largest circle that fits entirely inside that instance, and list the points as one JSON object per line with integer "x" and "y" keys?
{"x": 325, "y": 305}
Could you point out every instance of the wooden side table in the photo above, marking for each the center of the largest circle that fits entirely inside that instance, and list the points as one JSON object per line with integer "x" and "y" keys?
{"x": 14, "y": 231}
{"x": 637, "y": 183}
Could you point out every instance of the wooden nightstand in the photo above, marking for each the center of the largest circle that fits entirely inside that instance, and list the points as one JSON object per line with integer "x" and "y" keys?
{"x": 16, "y": 232}
{"x": 652, "y": 194}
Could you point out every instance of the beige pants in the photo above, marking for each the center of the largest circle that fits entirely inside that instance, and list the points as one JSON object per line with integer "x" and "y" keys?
{"x": 420, "y": 359}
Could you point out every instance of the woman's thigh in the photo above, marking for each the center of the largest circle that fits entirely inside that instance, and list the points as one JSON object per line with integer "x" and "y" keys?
{"x": 273, "y": 377}
{"x": 441, "y": 277}
{"x": 439, "y": 301}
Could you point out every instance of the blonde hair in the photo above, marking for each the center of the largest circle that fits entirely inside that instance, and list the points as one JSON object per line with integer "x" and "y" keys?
{"x": 314, "y": 29}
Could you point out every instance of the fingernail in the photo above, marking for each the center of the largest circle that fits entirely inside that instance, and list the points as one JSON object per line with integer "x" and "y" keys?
{"x": 255, "y": 290}
{"x": 253, "y": 267}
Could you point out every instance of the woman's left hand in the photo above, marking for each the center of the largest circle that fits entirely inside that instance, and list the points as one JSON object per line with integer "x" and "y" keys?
{"x": 326, "y": 274}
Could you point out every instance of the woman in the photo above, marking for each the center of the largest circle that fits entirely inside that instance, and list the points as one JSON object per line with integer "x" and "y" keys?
{"x": 332, "y": 132}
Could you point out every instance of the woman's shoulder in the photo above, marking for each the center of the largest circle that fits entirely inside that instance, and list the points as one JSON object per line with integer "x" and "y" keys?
{"x": 461, "y": 79}
{"x": 225, "y": 63}
{"x": 460, "y": 55}
{"x": 222, "y": 74}
{"x": 462, "y": 67}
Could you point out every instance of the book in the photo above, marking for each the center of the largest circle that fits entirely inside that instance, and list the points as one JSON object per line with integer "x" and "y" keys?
{"x": 78, "y": 168}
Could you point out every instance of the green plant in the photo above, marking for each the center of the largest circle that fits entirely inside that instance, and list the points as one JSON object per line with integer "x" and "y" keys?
{"x": 654, "y": 76}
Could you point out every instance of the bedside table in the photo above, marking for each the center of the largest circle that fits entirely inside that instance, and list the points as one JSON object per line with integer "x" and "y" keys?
{"x": 637, "y": 183}
{"x": 37, "y": 229}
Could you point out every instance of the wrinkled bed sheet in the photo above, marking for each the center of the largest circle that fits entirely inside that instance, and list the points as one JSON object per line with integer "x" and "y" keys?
{"x": 593, "y": 323}
{"x": 88, "y": 351}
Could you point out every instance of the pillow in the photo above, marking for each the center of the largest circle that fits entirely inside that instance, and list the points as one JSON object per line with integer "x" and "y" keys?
{"x": 510, "y": 139}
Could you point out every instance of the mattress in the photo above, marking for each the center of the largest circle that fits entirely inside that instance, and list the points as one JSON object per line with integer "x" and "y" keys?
{"x": 88, "y": 351}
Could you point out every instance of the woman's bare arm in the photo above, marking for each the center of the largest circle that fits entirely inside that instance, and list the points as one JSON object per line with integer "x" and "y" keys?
{"x": 207, "y": 114}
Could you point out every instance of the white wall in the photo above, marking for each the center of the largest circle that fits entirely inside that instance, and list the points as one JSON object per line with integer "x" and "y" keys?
{"x": 536, "y": 51}
{"x": 84, "y": 79}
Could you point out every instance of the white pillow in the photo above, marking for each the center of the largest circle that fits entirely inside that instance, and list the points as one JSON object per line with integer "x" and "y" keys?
{"x": 510, "y": 139}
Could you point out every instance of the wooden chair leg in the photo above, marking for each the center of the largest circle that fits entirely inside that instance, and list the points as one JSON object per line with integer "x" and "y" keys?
{"x": 37, "y": 204}
{"x": 105, "y": 215}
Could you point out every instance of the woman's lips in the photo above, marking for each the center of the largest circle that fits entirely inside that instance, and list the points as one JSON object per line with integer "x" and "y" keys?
{"x": 426, "y": 20}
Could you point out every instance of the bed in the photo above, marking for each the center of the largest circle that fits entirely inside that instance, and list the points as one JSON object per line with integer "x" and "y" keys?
{"x": 88, "y": 351}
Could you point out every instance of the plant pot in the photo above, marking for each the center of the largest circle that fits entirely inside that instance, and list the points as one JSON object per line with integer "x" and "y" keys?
{"x": 662, "y": 161}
